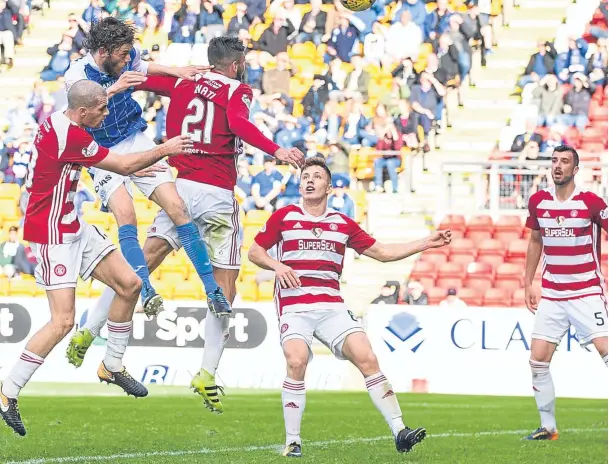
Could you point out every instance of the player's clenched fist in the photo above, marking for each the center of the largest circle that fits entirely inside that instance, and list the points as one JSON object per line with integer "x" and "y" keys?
{"x": 440, "y": 238}
{"x": 286, "y": 276}
{"x": 177, "y": 145}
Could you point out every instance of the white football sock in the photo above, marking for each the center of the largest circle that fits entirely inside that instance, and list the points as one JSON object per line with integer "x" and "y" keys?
{"x": 216, "y": 336}
{"x": 543, "y": 388}
{"x": 294, "y": 400}
{"x": 97, "y": 317}
{"x": 386, "y": 402}
{"x": 21, "y": 373}
{"x": 118, "y": 338}
{"x": 605, "y": 359}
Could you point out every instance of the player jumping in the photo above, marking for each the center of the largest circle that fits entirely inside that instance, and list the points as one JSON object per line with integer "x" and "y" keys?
{"x": 116, "y": 65}
{"x": 565, "y": 222}
{"x": 214, "y": 111}
{"x": 66, "y": 248}
{"x": 311, "y": 241}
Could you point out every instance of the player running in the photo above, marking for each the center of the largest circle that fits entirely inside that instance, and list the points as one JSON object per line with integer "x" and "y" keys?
{"x": 311, "y": 240}
{"x": 214, "y": 112}
{"x": 66, "y": 248}
{"x": 565, "y": 223}
{"x": 117, "y": 66}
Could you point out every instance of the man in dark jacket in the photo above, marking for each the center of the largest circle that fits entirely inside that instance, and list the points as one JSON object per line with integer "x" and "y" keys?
{"x": 313, "y": 25}
{"x": 274, "y": 40}
{"x": 239, "y": 21}
{"x": 540, "y": 64}
{"x": 343, "y": 40}
{"x": 316, "y": 98}
{"x": 7, "y": 31}
{"x": 577, "y": 103}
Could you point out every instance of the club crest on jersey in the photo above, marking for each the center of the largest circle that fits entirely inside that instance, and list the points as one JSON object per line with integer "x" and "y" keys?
{"x": 317, "y": 231}
{"x": 91, "y": 150}
{"x": 605, "y": 213}
{"x": 574, "y": 213}
{"x": 333, "y": 227}
{"x": 60, "y": 270}
{"x": 560, "y": 220}
{"x": 246, "y": 100}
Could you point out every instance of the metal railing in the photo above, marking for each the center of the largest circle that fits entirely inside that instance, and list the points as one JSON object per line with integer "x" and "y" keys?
{"x": 504, "y": 187}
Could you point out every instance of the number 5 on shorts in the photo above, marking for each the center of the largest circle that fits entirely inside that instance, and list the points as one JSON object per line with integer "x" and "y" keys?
{"x": 599, "y": 317}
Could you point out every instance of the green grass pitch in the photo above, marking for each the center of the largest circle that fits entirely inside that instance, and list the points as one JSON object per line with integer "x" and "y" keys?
{"x": 171, "y": 426}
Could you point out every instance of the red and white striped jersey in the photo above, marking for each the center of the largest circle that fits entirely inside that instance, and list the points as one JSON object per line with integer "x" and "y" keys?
{"x": 315, "y": 248}
{"x": 60, "y": 150}
{"x": 571, "y": 236}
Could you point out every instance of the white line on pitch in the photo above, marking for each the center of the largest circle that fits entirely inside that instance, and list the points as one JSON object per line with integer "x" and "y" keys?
{"x": 249, "y": 449}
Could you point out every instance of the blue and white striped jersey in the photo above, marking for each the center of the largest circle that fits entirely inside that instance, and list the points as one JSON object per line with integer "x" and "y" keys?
{"x": 125, "y": 116}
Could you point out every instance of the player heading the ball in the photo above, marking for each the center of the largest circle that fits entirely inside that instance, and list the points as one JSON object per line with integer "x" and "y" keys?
{"x": 66, "y": 248}
{"x": 311, "y": 240}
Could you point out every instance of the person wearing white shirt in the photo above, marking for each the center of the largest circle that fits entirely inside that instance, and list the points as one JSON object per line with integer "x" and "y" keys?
{"x": 452, "y": 300}
{"x": 404, "y": 38}
{"x": 374, "y": 44}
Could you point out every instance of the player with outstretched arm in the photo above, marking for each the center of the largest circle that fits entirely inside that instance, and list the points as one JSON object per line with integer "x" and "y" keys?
{"x": 311, "y": 240}
{"x": 565, "y": 222}
{"x": 214, "y": 111}
{"x": 66, "y": 248}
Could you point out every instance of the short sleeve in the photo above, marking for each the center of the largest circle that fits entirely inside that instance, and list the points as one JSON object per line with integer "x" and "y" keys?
{"x": 82, "y": 149}
{"x": 598, "y": 210}
{"x": 256, "y": 179}
{"x": 138, "y": 64}
{"x": 532, "y": 222}
{"x": 359, "y": 240}
{"x": 270, "y": 234}
{"x": 75, "y": 73}
{"x": 239, "y": 103}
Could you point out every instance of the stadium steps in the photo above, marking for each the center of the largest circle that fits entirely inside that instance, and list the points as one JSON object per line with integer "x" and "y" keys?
{"x": 45, "y": 31}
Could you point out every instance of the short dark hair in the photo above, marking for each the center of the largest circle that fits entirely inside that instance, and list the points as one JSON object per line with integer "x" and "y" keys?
{"x": 109, "y": 34}
{"x": 223, "y": 50}
{"x": 317, "y": 161}
{"x": 568, "y": 148}
{"x": 14, "y": 229}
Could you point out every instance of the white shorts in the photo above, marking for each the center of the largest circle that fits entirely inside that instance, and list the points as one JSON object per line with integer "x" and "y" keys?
{"x": 215, "y": 211}
{"x": 330, "y": 327}
{"x": 106, "y": 182}
{"x": 587, "y": 315}
{"x": 60, "y": 265}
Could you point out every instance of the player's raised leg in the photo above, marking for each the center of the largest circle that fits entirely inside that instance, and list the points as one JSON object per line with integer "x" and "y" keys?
{"x": 543, "y": 388}
{"x": 61, "y": 305}
{"x": 293, "y": 396}
{"x": 166, "y": 196}
{"x": 356, "y": 348}
{"x": 114, "y": 271}
{"x": 216, "y": 336}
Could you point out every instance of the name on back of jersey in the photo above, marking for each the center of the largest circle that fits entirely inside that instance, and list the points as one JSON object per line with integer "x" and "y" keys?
{"x": 203, "y": 89}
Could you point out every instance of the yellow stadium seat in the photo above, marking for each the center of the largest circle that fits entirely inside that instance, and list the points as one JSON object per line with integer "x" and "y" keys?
{"x": 298, "y": 109}
{"x": 303, "y": 9}
{"x": 430, "y": 7}
{"x": 304, "y": 50}
{"x": 9, "y": 209}
{"x": 256, "y": 217}
{"x": 266, "y": 291}
{"x": 96, "y": 288}
{"x": 99, "y": 219}
{"x": 249, "y": 233}
{"x": 146, "y": 216}
{"x": 255, "y": 169}
{"x": 11, "y": 191}
{"x": 247, "y": 267}
{"x": 83, "y": 289}
{"x": 3, "y": 286}
{"x": 298, "y": 89}
{"x": 21, "y": 287}
{"x": 230, "y": 10}
{"x": 257, "y": 30}
{"x": 188, "y": 290}
{"x": 173, "y": 274}
{"x": 163, "y": 288}
{"x": 176, "y": 259}
{"x": 247, "y": 290}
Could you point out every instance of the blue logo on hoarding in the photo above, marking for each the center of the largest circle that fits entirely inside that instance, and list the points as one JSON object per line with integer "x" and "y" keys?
{"x": 404, "y": 326}
{"x": 155, "y": 373}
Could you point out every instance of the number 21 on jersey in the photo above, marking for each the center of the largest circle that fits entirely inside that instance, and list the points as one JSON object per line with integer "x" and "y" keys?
{"x": 203, "y": 111}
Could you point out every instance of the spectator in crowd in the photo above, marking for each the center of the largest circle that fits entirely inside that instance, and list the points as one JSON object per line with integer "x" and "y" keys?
{"x": 548, "y": 96}
{"x": 417, "y": 11}
{"x": 338, "y": 159}
{"x": 77, "y": 30}
{"x": 286, "y": 9}
{"x": 344, "y": 40}
{"x": 21, "y": 161}
{"x": 330, "y": 124}
{"x": 185, "y": 22}
{"x": 45, "y": 110}
{"x": 390, "y": 293}
{"x": 355, "y": 124}
{"x": 255, "y": 10}
{"x": 577, "y": 103}
{"x": 274, "y": 39}
{"x": 415, "y": 294}
{"x": 404, "y": 38}
{"x": 13, "y": 260}
{"x": 267, "y": 186}
{"x": 60, "y": 59}
{"x": 290, "y": 193}
{"x": 93, "y": 12}
{"x": 437, "y": 22}
{"x": 19, "y": 118}
{"x": 407, "y": 122}
{"x": 357, "y": 80}
{"x": 404, "y": 77}
{"x": 597, "y": 64}
{"x": 452, "y": 300}
{"x": 338, "y": 75}
{"x": 290, "y": 133}
{"x": 529, "y": 141}
{"x": 375, "y": 44}
{"x": 424, "y": 99}
{"x": 540, "y": 64}
{"x": 316, "y": 98}
{"x": 240, "y": 21}
{"x": 555, "y": 139}
{"x": 573, "y": 61}
{"x": 8, "y": 33}
{"x": 391, "y": 141}
{"x": 255, "y": 75}
{"x": 143, "y": 10}
{"x": 124, "y": 11}
{"x": 81, "y": 196}
{"x": 460, "y": 38}
{"x": 243, "y": 188}
{"x": 277, "y": 80}
{"x": 313, "y": 24}
{"x": 211, "y": 23}
{"x": 311, "y": 146}
{"x": 153, "y": 34}
{"x": 448, "y": 57}
{"x": 340, "y": 200}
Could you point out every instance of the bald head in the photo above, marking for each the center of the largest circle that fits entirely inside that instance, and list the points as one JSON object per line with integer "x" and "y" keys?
{"x": 85, "y": 94}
